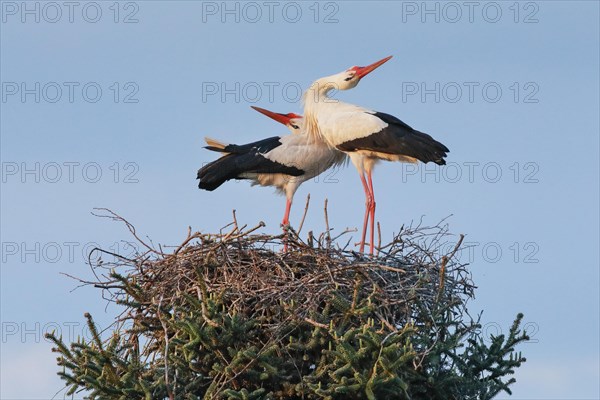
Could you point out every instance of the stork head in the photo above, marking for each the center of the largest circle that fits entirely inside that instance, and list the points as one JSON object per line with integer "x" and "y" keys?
{"x": 350, "y": 77}
{"x": 294, "y": 122}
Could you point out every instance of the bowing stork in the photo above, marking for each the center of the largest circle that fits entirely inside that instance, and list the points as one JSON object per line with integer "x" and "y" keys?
{"x": 284, "y": 162}
{"x": 367, "y": 136}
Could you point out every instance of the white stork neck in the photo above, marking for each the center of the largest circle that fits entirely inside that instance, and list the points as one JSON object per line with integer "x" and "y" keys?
{"x": 319, "y": 90}
{"x": 315, "y": 97}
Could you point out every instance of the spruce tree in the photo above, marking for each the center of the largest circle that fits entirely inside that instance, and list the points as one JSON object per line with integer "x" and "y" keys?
{"x": 227, "y": 316}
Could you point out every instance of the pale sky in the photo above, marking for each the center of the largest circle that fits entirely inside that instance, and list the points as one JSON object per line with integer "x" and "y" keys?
{"x": 106, "y": 106}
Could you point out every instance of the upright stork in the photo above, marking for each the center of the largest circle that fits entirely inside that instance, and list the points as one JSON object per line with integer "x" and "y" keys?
{"x": 284, "y": 162}
{"x": 367, "y": 136}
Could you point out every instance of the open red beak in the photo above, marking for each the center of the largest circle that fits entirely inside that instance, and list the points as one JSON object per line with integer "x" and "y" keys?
{"x": 363, "y": 71}
{"x": 281, "y": 118}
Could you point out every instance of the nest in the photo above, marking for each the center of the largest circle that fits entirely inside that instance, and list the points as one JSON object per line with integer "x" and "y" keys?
{"x": 231, "y": 316}
{"x": 251, "y": 275}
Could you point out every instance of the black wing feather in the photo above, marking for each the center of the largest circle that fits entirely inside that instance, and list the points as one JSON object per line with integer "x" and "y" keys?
{"x": 247, "y": 158}
{"x": 399, "y": 138}
{"x": 260, "y": 146}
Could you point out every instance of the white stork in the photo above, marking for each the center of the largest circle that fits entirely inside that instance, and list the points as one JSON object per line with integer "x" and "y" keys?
{"x": 281, "y": 161}
{"x": 366, "y": 136}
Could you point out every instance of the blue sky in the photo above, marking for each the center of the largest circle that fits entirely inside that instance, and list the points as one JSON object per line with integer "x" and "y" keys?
{"x": 98, "y": 113}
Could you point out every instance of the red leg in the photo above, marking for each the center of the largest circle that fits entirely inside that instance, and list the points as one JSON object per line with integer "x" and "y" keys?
{"x": 367, "y": 208}
{"x": 372, "y": 211}
{"x": 286, "y": 217}
{"x": 286, "y": 222}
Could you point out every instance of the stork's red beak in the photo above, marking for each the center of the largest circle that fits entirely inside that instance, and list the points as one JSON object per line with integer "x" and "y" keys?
{"x": 363, "y": 71}
{"x": 281, "y": 118}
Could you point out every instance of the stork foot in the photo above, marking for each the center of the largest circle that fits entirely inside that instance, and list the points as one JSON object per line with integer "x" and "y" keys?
{"x": 285, "y": 225}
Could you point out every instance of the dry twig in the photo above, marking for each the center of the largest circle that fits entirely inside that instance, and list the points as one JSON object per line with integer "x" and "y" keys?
{"x": 241, "y": 268}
